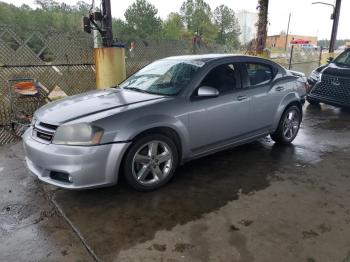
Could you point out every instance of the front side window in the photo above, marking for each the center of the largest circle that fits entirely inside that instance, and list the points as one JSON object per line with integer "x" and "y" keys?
{"x": 164, "y": 77}
{"x": 223, "y": 78}
{"x": 343, "y": 58}
{"x": 259, "y": 74}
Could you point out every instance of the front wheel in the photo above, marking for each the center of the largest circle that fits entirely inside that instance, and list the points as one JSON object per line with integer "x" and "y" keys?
{"x": 288, "y": 126}
{"x": 150, "y": 162}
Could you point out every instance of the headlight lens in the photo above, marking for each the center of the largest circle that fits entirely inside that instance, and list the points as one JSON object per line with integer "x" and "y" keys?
{"x": 315, "y": 75}
{"x": 78, "y": 134}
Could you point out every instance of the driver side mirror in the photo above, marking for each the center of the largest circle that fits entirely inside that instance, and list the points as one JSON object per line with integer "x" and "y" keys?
{"x": 207, "y": 92}
{"x": 330, "y": 59}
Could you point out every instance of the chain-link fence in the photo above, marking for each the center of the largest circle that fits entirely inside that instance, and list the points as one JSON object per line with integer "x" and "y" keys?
{"x": 141, "y": 53}
{"x": 300, "y": 59}
{"x": 61, "y": 63}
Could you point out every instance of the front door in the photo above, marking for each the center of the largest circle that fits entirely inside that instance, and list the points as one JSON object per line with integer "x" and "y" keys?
{"x": 216, "y": 121}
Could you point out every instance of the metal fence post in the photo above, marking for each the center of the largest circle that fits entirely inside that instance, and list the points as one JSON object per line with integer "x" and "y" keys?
{"x": 291, "y": 57}
{"x": 320, "y": 56}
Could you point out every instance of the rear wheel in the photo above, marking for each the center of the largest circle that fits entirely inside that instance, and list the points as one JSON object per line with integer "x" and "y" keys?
{"x": 288, "y": 127}
{"x": 150, "y": 162}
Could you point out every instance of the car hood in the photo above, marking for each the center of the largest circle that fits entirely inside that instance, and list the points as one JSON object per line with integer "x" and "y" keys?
{"x": 74, "y": 107}
{"x": 336, "y": 70}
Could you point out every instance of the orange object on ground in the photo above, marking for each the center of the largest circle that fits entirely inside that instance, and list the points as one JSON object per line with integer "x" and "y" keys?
{"x": 25, "y": 88}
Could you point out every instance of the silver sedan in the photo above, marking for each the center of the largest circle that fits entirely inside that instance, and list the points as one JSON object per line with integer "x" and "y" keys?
{"x": 173, "y": 110}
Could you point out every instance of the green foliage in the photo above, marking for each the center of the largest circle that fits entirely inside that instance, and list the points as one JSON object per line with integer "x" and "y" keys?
{"x": 142, "y": 19}
{"x": 227, "y": 24}
{"x": 122, "y": 31}
{"x": 197, "y": 16}
{"x": 173, "y": 27}
{"x": 50, "y": 15}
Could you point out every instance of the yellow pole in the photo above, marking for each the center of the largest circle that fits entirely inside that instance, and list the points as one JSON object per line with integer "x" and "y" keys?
{"x": 110, "y": 66}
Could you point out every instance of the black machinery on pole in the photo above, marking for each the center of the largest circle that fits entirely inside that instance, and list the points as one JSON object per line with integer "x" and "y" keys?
{"x": 100, "y": 20}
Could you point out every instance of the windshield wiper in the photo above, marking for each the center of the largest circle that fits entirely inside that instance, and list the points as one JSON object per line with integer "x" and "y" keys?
{"x": 135, "y": 89}
{"x": 145, "y": 91}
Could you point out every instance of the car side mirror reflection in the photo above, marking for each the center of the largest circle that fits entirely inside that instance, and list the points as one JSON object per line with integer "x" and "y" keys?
{"x": 330, "y": 59}
{"x": 207, "y": 92}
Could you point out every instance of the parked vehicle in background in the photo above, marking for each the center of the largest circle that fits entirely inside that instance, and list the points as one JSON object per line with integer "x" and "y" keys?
{"x": 173, "y": 110}
{"x": 309, "y": 47}
{"x": 330, "y": 84}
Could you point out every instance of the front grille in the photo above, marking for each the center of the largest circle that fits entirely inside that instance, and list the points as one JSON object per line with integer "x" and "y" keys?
{"x": 48, "y": 126}
{"x": 44, "y": 131}
{"x": 333, "y": 87}
{"x": 44, "y": 136}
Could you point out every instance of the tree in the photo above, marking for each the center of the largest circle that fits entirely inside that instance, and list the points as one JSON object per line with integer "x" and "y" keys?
{"x": 142, "y": 18}
{"x": 173, "y": 27}
{"x": 227, "y": 24}
{"x": 198, "y": 18}
{"x": 49, "y": 16}
{"x": 82, "y": 7}
{"x": 48, "y": 5}
{"x": 263, "y": 6}
{"x": 122, "y": 31}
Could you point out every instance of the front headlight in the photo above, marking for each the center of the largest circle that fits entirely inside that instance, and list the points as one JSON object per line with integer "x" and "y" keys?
{"x": 315, "y": 75}
{"x": 78, "y": 134}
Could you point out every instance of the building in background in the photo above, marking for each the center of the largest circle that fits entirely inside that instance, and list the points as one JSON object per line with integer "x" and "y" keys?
{"x": 247, "y": 22}
{"x": 279, "y": 41}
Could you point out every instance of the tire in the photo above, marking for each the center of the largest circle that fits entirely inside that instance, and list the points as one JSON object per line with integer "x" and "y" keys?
{"x": 150, "y": 162}
{"x": 287, "y": 128}
{"x": 312, "y": 101}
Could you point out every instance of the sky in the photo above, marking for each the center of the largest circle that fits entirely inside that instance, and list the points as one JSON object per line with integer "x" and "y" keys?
{"x": 306, "y": 18}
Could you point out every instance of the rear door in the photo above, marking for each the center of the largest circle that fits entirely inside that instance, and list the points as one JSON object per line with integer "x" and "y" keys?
{"x": 265, "y": 93}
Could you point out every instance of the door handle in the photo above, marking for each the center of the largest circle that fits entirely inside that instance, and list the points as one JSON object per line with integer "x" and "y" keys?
{"x": 241, "y": 98}
{"x": 280, "y": 88}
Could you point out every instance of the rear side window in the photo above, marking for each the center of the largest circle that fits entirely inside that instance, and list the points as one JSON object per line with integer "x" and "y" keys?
{"x": 259, "y": 74}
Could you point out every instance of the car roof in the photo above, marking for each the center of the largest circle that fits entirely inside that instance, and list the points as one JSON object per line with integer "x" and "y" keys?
{"x": 211, "y": 57}
{"x": 203, "y": 58}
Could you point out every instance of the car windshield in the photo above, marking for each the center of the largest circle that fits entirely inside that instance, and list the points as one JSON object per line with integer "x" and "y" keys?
{"x": 164, "y": 77}
{"x": 343, "y": 58}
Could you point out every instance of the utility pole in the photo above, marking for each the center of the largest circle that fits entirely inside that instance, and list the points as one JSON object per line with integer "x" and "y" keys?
{"x": 110, "y": 58}
{"x": 107, "y": 36}
{"x": 262, "y": 25}
{"x": 335, "y": 17}
{"x": 287, "y": 33}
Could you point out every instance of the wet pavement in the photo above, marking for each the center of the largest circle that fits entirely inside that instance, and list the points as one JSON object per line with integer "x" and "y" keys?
{"x": 257, "y": 202}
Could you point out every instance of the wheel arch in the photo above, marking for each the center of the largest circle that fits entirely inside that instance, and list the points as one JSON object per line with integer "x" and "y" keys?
{"x": 288, "y": 101}
{"x": 163, "y": 130}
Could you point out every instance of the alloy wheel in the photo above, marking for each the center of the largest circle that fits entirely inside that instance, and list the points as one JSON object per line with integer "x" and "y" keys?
{"x": 291, "y": 124}
{"x": 152, "y": 162}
